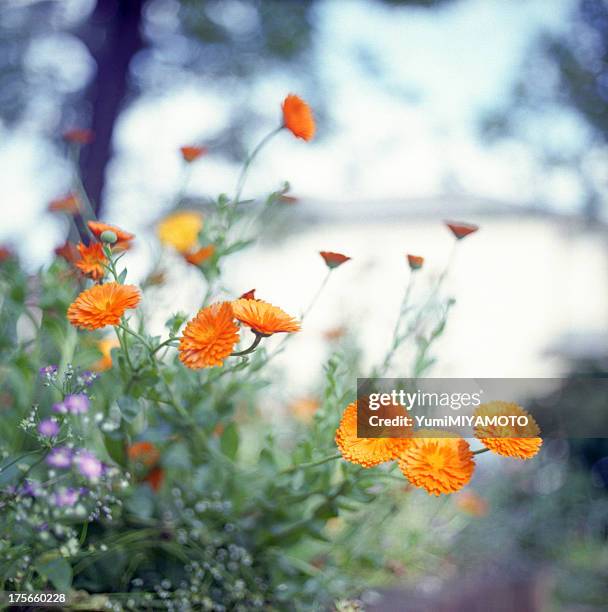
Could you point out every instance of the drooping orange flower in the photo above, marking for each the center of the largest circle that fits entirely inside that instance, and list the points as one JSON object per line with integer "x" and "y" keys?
{"x": 264, "y": 318}
{"x": 124, "y": 238}
{"x": 105, "y": 347}
{"x": 68, "y": 252}
{"x": 248, "y": 295}
{"x": 144, "y": 452}
{"x": 471, "y": 503}
{"x": 79, "y": 136}
{"x": 200, "y": 255}
{"x": 192, "y": 153}
{"x": 304, "y": 408}
{"x": 511, "y": 439}
{"x": 460, "y": 230}
{"x": 69, "y": 204}
{"x": 92, "y": 260}
{"x": 298, "y": 118}
{"x": 333, "y": 260}
{"x": 210, "y": 337}
{"x": 415, "y": 262}
{"x": 155, "y": 478}
{"x": 439, "y": 464}
{"x": 102, "y": 305}
{"x": 366, "y": 452}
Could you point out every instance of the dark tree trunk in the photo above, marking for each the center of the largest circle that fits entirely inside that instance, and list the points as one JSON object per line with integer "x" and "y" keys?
{"x": 113, "y": 37}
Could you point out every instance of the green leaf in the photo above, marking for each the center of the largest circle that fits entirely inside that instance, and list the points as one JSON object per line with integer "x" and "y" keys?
{"x": 229, "y": 442}
{"x": 57, "y": 570}
{"x": 237, "y": 246}
{"x": 115, "y": 444}
{"x": 130, "y": 408}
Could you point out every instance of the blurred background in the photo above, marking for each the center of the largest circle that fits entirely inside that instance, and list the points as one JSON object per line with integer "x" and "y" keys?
{"x": 493, "y": 112}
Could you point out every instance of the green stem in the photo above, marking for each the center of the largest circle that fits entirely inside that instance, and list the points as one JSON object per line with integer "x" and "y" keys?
{"x": 481, "y": 450}
{"x": 304, "y": 466}
{"x": 258, "y": 339}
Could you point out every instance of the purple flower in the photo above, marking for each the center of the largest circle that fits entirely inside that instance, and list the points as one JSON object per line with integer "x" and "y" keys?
{"x": 48, "y": 371}
{"x": 88, "y": 464}
{"x": 30, "y": 487}
{"x": 88, "y": 377}
{"x": 74, "y": 404}
{"x": 65, "y": 497}
{"x": 48, "y": 428}
{"x": 60, "y": 457}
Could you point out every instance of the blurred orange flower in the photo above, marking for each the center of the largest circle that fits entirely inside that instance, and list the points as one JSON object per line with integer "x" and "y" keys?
{"x": 335, "y": 333}
{"x": 102, "y": 305}
{"x": 155, "y": 478}
{"x": 333, "y": 260}
{"x": 69, "y": 204}
{"x": 124, "y": 238}
{"x": 285, "y": 198}
{"x": 460, "y": 230}
{"x": 415, "y": 261}
{"x": 144, "y": 452}
{"x": 511, "y": 440}
{"x": 210, "y": 337}
{"x": 68, "y": 251}
{"x": 92, "y": 260}
{"x": 304, "y": 408}
{"x": 438, "y": 464}
{"x": 79, "y": 136}
{"x": 367, "y": 452}
{"x": 192, "y": 153}
{"x": 471, "y": 503}
{"x": 298, "y": 118}
{"x": 201, "y": 255}
{"x": 264, "y": 318}
{"x": 105, "y": 347}
{"x": 5, "y": 253}
{"x": 180, "y": 230}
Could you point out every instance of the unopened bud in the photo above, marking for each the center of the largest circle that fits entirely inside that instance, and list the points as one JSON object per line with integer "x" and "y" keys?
{"x": 109, "y": 237}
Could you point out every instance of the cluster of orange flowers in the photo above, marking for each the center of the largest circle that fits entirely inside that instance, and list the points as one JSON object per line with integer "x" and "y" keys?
{"x": 439, "y": 461}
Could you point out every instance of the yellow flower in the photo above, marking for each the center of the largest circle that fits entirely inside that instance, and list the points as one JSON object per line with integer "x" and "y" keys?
{"x": 511, "y": 440}
{"x": 180, "y": 230}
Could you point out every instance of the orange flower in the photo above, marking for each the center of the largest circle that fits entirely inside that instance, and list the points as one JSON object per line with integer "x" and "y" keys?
{"x": 264, "y": 318}
{"x": 210, "y": 337}
{"x": 335, "y": 333}
{"x": 509, "y": 439}
{"x": 79, "y": 136}
{"x": 180, "y": 230}
{"x": 5, "y": 253}
{"x": 92, "y": 260}
{"x": 333, "y": 260}
{"x": 145, "y": 453}
{"x": 438, "y": 464}
{"x": 415, "y": 262}
{"x": 367, "y": 452}
{"x": 68, "y": 251}
{"x": 304, "y": 408}
{"x": 288, "y": 199}
{"x": 471, "y": 503}
{"x": 155, "y": 478}
{"x": 201, "y": 255}
{"x": 69, "y": 204}
{"x": 297, "y": 117}
{"x": 248, "y": 295}
{"x": 190, "y": 153}
{"x": 102, "y": 305}
{"x": 105, "y": 347}
{"x": 124, "y": 238}
{"x": 460, "y": 230}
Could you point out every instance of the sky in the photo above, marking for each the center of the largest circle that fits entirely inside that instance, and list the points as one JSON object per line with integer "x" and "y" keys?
{"x": 402, "y": 124}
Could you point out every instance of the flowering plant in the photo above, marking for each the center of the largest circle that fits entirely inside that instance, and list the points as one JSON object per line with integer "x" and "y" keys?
{"x": 136, "y": 473}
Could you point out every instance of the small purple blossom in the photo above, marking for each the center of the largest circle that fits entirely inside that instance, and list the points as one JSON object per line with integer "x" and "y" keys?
{"x": 88, "y": 464}
{"x": 31, "y": 487}
{"x": 60, "y": 457}
{"x": 74, "y": 404}
{"x": 65, "y": 497}
{"x": 48, "y": 427}
{"x": 88, "y": 377}
{"x": 48, "y": 371}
